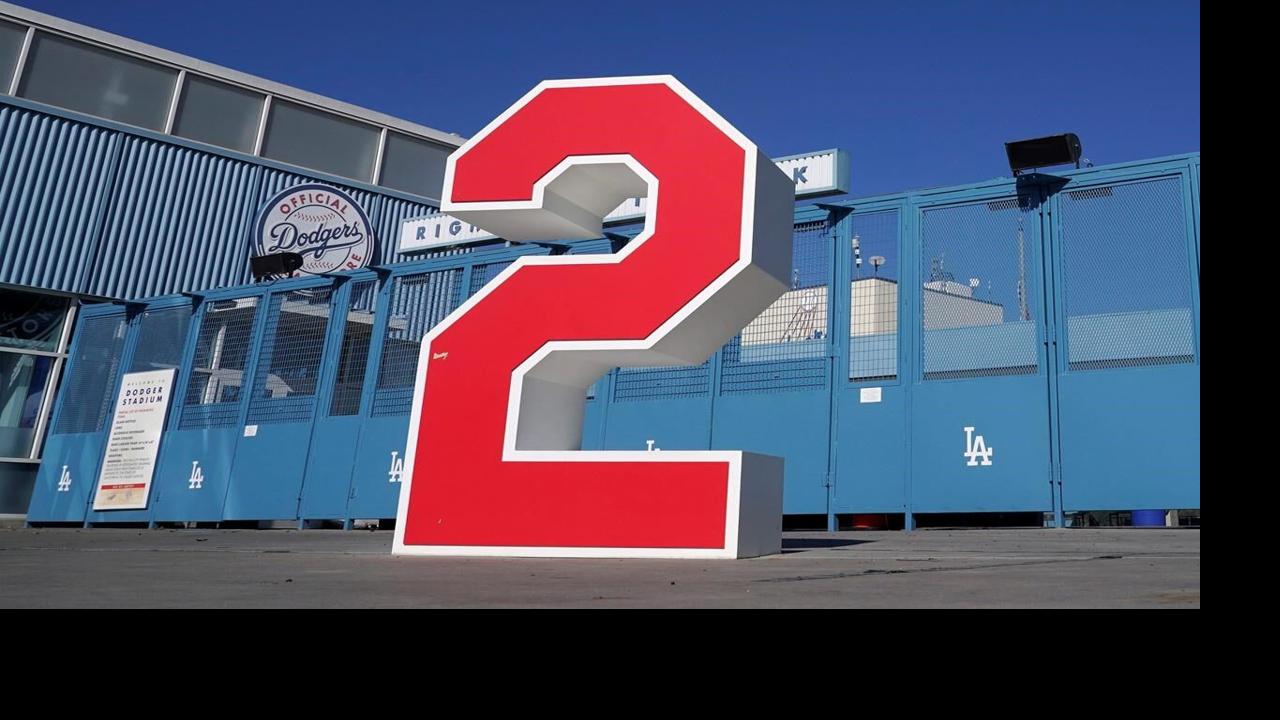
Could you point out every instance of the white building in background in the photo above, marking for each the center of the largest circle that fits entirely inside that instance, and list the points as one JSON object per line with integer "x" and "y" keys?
{"x": 801, "y": 314}
{"x": 875, "y": 307}
{"x": 949, "y": 304}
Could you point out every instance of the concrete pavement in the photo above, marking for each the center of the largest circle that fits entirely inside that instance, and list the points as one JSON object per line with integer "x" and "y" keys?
{"x": 1007, "y": 568}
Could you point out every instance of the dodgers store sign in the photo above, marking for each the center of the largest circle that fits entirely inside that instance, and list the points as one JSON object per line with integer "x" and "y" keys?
{"x": 323, "y": 224}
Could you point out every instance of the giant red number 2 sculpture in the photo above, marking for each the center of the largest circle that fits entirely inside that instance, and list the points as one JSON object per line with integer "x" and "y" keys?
{"x": 493, "y": 464}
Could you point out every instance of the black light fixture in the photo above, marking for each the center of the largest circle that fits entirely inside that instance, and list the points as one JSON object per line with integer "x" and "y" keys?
{"x": 274, "y": 265}
{"x": 1043, "y": 152}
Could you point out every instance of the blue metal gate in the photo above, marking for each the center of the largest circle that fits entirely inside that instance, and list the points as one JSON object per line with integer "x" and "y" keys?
{"x": 415, "y": 303}
{"x": 271, "y": 451}
{"x": 1128, "y": 337}
{"x": 980, "y": 405}
{"x": 156, "y": 341}
{"x": 660, "y": 408}
{"x": 339, "y": 417}
{"x": 67, "y": 478}
{"x": 870, "y": 428}
{"x": 1029, "y": 345}
{"x": 197, "y": 453}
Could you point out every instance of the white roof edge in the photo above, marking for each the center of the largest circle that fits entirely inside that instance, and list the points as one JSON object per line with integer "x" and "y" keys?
{"x": 40, "y": 20}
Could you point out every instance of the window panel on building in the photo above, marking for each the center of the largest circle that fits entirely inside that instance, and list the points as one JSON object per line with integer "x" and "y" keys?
{"x": 96, "y": 81}
{"x": 218, "y": 114}
{"x": 11, "y": 37}
{"x": 321, "y": 141}
{"x": 32, "y": 329}
{"x": 413, "y": 165}
{"x": 23, "y": 380}
{"x": 31, "y": 321}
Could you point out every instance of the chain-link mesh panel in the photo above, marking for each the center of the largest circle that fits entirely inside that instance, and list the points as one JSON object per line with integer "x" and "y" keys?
{"x": 284, "y": 384}
{"x": 213, "y": 393}
{"x": 980, "y": 279}
{"x": 785, "y": 347}
{"x": 873, "y": 296}
{"x": 161, "y": 337}
{"x": 353, "y": 358}
{"x": 482, "y": 274}
{"x": 86, "y": 394}
{"x": 1127, "y": 276}
{"x": 659, "y": 383}
{"x": 418, "y": 302}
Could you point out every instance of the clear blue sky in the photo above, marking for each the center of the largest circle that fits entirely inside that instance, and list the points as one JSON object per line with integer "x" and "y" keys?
{"x": 921, "y": 93}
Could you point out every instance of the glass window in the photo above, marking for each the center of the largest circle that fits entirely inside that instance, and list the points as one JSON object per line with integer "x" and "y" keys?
{"x": 16, "y": 482}
{"x": 31, "y": 321}
{"x": 218, "y": 114}
{"x": 413, "y": 165}
{"x": 10, "y": 47}
{"x": 22, "y": 384}
{"x": 96, "y": 81}
{"x": 319, "y": 140}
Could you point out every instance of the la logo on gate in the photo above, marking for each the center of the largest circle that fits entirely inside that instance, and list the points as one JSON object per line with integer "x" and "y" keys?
{"x": 975, "y": 446}
{"x": 196, "y": 481}
{"x": 64, "y": 480}
{"x": 715, "y": 253}
{"x": 396, "y": 473}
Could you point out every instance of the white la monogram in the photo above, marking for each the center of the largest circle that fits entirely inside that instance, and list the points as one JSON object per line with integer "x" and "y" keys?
{"x": 976, "y": 447}
{"x": 196, "y": 481}
{"x": 396, "y": 473}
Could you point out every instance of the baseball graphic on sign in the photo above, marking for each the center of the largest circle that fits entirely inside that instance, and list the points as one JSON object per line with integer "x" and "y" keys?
{"x": 323, "y": 224}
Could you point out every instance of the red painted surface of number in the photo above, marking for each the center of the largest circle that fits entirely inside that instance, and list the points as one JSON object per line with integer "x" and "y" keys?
{"x": 462, "y": 490}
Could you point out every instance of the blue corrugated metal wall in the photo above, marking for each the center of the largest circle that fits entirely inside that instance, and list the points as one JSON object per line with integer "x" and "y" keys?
{"x": 93, "y": 209}
{"x": 177, "y": 219}
{"x": 54, "y": 176}
{"x": 391, "y": 213}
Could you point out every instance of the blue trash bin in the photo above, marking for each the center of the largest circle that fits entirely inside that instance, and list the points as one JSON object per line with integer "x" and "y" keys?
{"x": 1148, "y": 518}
